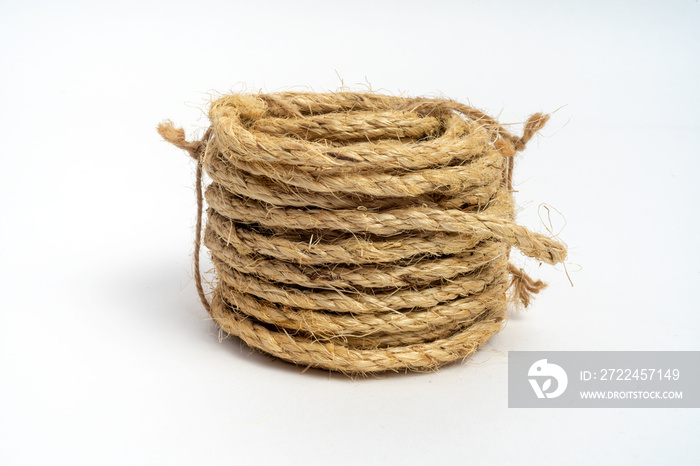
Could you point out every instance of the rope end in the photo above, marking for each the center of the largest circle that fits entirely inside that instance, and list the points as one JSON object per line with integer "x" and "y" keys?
{"x": 523, "y": 286}
{"x": 176, "y": 137}
{"x": 533, "y": 124}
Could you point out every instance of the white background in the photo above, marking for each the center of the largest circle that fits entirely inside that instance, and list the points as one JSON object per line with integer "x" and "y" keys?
{"x": 106, "y": 355}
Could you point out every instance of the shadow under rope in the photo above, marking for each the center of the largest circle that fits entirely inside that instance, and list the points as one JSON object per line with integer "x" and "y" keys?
{"x": 160, "y": 297}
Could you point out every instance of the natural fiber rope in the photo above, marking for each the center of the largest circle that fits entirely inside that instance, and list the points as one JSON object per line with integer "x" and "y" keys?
{"x": 360, "y": 232}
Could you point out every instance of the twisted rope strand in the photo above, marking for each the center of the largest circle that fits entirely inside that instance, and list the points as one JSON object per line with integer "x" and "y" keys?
{"x": 341, "y": 301}
{"x": 325, "y": 325}
{"x": 350, "y": 249}
{"x": 389, "y": 222}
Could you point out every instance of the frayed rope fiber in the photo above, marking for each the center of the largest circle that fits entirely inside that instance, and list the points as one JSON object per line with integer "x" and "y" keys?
{"x": 360, "y": 232}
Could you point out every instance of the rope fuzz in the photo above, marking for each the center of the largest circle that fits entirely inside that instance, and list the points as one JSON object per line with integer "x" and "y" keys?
{"x": 360, "y": 232}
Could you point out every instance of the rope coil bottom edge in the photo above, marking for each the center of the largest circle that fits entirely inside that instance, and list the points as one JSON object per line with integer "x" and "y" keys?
{"x": 303, "y": 351}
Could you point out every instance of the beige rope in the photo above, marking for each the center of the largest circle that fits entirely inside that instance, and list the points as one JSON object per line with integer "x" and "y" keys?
{"x": 360, "y": 232}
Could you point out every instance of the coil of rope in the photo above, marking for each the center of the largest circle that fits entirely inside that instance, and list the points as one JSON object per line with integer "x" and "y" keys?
{"x": 360, "y": 232}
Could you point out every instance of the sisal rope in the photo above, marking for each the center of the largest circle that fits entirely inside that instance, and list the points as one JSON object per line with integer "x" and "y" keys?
{"x": 360, "y": 232}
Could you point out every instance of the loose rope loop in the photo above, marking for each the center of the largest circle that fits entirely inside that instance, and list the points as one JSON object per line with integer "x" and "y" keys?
{"x": 360, "y": 232}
